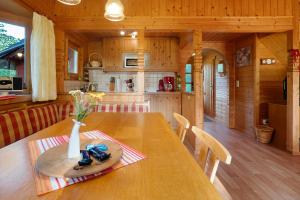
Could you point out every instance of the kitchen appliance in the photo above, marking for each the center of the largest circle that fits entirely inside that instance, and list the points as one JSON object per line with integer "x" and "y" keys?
{"x": 130, "y": 85}
{"x": 112, "y": 84}
{"x": 93, "y": 87}
{"x": 161, "y": 86}
{"x": 130, "y": 60}
{"x": 169, "y": 83}
{"x": 11, "y": 83}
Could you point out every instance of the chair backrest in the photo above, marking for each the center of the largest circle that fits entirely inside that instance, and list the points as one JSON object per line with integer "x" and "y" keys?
{"x": 122, "y": 107}
{"x": 211, "y": 153}
{"x": 183, "y": 126}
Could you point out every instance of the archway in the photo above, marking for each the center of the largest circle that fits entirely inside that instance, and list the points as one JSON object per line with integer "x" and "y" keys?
{"x": 215, "y": 85}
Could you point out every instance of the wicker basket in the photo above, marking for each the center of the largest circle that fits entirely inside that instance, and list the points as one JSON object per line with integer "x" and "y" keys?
{"x": 264, "y": 134}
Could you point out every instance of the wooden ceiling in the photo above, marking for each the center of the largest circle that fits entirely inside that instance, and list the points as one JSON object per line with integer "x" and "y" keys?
{"x": 14, "y": 8}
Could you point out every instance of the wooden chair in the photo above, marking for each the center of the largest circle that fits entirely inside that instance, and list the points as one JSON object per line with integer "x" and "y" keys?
{"x": 183, "y": 126}
{"x": 211, "y": 153}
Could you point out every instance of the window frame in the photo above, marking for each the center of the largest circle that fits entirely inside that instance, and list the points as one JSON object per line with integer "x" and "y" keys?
{"x": 27, "y": 24}
{"x": 192, "y": 77}
{"x": 73, "y": 44}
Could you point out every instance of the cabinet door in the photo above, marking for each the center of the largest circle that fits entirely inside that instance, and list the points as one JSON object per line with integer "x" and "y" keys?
{"x": 112, "y": 53}
{"x": 130, "y": 45}
{"x": 163, "y": 54}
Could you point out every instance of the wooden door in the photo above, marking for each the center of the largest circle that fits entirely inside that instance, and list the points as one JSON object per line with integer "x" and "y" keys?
{"x": 208, "y": 89}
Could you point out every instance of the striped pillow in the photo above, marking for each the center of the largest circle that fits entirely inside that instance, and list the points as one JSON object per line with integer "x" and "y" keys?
{"x": 43, "y": 116}
{"x": 14, "y": 126}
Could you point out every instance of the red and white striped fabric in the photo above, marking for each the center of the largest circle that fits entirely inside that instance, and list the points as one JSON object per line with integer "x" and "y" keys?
{"x": 64, "y": 110}
{"x": 14, "y": 126}
{"x": 45, "y": 184}
{"x": 123, "y": 107}
{"x": 43, "y": 116}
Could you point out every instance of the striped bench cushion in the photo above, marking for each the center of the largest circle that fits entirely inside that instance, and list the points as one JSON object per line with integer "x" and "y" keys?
{"x": 14, "y": 126}
{"x": 43, "y": 116}
{"x": 19, "y": 124}
{"x": 65, "y": 110}
{"x": 122, "y": 107}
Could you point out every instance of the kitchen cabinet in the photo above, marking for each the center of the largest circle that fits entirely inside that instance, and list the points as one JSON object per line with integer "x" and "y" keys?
{"x": 166, "y": 103}
{"x": 112, "y": 53}
{"x": 163, "y": 54}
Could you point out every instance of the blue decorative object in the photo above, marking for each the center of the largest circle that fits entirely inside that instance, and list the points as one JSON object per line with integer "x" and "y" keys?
{"x": 86, "y": 160}
{"x": 102, "y": 147}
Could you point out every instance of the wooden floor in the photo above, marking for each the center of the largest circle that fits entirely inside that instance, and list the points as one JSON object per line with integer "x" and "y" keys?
{"x": 257, "y": 171}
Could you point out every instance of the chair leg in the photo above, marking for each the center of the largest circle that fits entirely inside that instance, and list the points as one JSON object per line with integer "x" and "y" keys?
{"x": 221, "y": 189}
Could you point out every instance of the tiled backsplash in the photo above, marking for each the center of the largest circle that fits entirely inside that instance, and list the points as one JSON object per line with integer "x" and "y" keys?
{"x": 152, "y": 79}
{"x": 102, "y": 80}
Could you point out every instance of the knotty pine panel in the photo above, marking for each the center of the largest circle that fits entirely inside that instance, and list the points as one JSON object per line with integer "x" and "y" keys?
{"x": 272, "y": 76}
{"x": 177, "y": 8}
{"x": 244, "y": 94}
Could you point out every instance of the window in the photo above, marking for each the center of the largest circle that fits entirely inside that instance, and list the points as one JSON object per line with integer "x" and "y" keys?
{"x": 72, "y": 61}
{"x": 188, "y": 78}
{"x": 12, "y": 51}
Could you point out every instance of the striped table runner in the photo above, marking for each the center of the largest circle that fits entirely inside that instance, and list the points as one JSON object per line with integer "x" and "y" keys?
{"x": 45, "y": 184}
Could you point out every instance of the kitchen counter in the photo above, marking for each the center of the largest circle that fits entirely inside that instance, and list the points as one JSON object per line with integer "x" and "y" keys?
{"x": 163, "y": 93}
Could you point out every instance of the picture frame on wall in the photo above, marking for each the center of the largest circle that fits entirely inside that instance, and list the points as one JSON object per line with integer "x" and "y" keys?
{"x": 243, "y": 57}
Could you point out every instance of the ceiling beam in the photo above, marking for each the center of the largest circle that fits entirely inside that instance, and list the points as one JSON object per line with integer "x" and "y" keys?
{"x": 207, "y": 24}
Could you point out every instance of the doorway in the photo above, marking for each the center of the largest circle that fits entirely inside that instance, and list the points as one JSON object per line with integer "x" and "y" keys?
{"x": 215, "y": 86}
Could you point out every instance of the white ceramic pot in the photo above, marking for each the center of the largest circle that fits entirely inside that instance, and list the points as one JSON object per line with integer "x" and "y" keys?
{"x": 74, "y": 142}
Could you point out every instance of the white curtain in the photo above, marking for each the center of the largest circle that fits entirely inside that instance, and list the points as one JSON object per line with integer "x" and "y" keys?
{"x": 43, "y": 66}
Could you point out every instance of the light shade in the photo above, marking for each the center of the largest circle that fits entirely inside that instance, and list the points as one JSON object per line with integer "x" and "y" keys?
{"x": 70, "y": 2}
{"x": 114, "y": 10}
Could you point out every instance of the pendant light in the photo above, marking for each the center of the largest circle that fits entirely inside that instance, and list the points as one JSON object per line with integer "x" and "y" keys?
{"x": 70, "y": 2}
{"x": 114, "y": 10}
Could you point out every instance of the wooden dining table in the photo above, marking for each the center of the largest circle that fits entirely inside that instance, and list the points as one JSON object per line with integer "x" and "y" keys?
{"x": 169, "y": 171}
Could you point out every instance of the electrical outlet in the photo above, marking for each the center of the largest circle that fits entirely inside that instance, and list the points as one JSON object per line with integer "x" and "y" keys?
{"x": 237, "y": 83}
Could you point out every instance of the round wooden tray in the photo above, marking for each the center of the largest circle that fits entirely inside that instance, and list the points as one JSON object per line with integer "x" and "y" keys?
{"x": 55, "y": 162}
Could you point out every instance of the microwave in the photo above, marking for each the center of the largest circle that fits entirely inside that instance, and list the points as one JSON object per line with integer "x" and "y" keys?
{"x": 130, "y": 60}
{"x": 11, "y": 83}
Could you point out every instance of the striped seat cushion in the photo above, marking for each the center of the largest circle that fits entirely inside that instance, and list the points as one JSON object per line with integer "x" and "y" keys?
{"x": 122, "y": 107}
{"x": 65, "y": 110}
{"x": 43, "y": 116}
{"x": 14, "y": 126}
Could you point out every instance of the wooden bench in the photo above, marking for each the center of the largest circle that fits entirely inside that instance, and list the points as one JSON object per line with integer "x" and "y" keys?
{"x": 16, "y": 125}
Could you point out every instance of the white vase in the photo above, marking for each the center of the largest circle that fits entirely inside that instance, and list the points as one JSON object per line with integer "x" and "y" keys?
{"x": 74, "y": 142}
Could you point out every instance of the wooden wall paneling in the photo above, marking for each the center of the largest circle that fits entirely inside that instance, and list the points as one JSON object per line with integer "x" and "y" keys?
{"x": 244, "y": 94}
{"x": 60, "y": 42}
{"x": 293, "y": 87}
{"x": 185, "y": 52}
{"x": 232, "y": 83}
{"x": 259, "y": 8}
{"x": 198, "y": 78}
{"x": 256, "y": 83}
{"x": 274, "y": 5}
{"x": 272, "y": 76}
{"x": 267, "y": 7}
